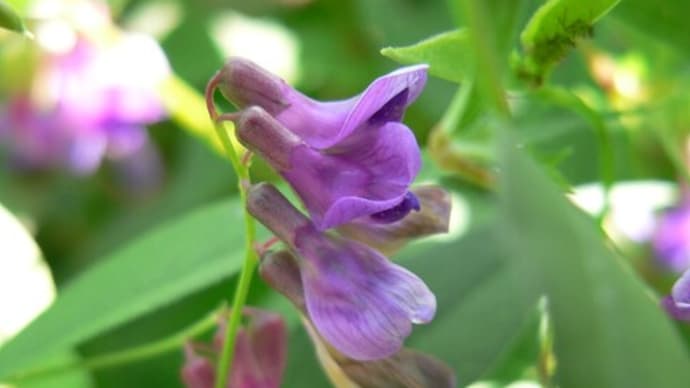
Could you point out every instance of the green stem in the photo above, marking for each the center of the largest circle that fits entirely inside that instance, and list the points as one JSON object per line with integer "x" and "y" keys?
{"x": 489, "y": 62}
{"x": 224, "y": 365}
{"x": 138, "y": 353}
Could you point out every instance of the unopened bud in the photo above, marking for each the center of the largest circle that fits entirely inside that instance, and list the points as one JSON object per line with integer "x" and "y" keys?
{"x": 273, "y": 210}
{"x": 245, "y": 84}
{"x": 261, "y": 133}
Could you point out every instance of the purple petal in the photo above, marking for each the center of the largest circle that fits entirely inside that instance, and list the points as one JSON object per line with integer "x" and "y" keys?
{"x": 675, "y": 310}
{"x": 672, "y": 239}
{"x": 197, "y": 372}
{"x": 320, "y": 124}
{"x": 398, "y": 212}
{"x": 324, "y": 125}
{"x": 433, "y": 217}
{"x": 408, "y": 81}
{"x": 86, "y": 152}
{"x": 360, "y": 302}
{"x": 267, "y": 336}
{"x": 681, "y": 290}
{"x": 358, "y": 179}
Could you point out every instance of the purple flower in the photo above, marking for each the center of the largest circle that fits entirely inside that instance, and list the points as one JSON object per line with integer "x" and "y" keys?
{"x": 433, "y": 218}
{"x": 360, "y": 302}
{"x": 345, "y": 159}
{"x": 259, "y": 359}
{"x": 340, "y": 184}
{"x": 94, "y": 102}
{"x": 672, "y": 238}
{"x": 405, "y": 368}
{"x": 678, "y": 303}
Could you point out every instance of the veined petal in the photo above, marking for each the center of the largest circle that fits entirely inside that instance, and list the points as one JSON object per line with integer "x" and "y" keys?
{"x": 406, "y": 368}
{"x": 358, "y": 180}
{"x": 321, "y": 125}
{"x": 406, "y": 83}
{"x": 384, "y": 100}
{"x": 360, "y": 302}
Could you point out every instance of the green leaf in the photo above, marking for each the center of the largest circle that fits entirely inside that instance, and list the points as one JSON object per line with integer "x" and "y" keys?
{"x": 553, "y": 30}
{"x": 164, "y": 265}
{"x": 667, "y": 21}
{"x": 604, "y": 318}
{"x": 483, "y": 298}
{"x": 74, "y": 378}
{"x": 446, "y": 54}
{"x": 10, "y": 20}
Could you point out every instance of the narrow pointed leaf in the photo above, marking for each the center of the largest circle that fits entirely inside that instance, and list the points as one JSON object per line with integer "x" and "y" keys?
{"x": 170, "y": 262}
{"x": 10, "y": 20}
{"x": 605, "y": 319}
{"x": 446, "y": 54}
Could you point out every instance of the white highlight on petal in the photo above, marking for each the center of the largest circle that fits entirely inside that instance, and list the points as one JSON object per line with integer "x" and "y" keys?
{"x": 268, "y": 43}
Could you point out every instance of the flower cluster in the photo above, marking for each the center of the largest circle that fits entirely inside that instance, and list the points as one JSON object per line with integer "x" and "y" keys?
{"x": 87, "y": 102}
{"x": 351, "y": 163}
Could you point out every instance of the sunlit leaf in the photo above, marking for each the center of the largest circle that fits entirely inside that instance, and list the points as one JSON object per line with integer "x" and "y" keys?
{"x": 553, "y": 30}
{"x": 168, "y": 263}
{"x": 10, "y": 20}
{"x": 446, "y": 54}
{"x": 605, "y": 319}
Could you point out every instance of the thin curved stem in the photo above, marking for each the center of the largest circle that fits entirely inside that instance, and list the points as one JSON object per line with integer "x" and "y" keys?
{"x": 225, "y": 360}
{"x": 123, "y": 357}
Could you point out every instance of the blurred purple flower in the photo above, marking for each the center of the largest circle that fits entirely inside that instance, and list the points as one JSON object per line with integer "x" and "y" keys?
{"x": 89, "y": 103}
{"x": 260, "y": 352}
{"x": 678, "y": 303}
{"x": 672, "y": 238}
{"x": 359, "y": 301}
{"x": 345, "y": 159}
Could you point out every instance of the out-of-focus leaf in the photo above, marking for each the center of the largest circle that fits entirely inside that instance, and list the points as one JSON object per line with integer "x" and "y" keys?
{"x": 10, "y": 20}
{"x": 553, "y": 30}
{"x": 483, "y": 301}
{"x": 665, "y": 20}
{"x": 446, "y": 54}
{"x": 490, "y": 28}
{"x": 73, "y": 378}
{"x": 522, "y": 353}
{"x": 605, "y": 320}
{"x": 168, "y": 263}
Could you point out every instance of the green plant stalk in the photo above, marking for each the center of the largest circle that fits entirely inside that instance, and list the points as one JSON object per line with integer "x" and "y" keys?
{"x": 224, "y": 365}
{"x": 127, "y": 356}
{"x": 484, "y": 43}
